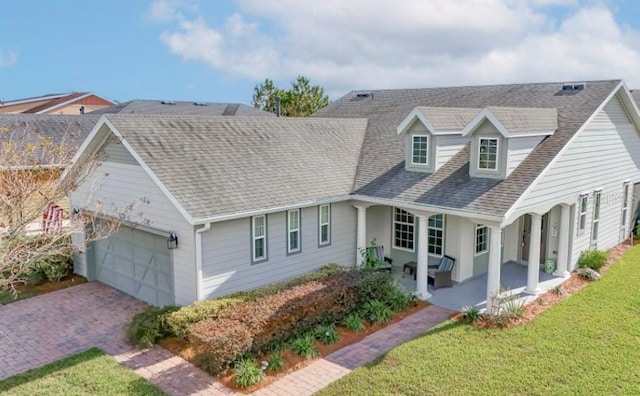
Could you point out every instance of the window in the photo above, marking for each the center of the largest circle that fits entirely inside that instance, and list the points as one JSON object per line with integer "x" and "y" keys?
{"x": 436, "y": 234}
{"x": 403, "y": 230}
{"x": 324, "y": 225}
{"x": 482, "y": 239}
{"x": 596, "y": 219}
{"x": 420, "y": 147}
{"x": 488, "y": 153}
{"x": 582, "y": 213}
{"x": 625, "y": 204}
{"x": 259, "y": 237}
{"x": 293, "y": 231}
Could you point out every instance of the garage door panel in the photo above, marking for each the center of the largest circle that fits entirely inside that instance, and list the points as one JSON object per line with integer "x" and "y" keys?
{"x": 136, "y": 262}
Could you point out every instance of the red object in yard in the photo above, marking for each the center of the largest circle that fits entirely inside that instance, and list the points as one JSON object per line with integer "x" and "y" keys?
{"x": 52, "y": 219}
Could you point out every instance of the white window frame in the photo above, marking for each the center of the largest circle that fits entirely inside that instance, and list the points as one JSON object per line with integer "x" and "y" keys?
{"x": 625, "y": 205}
{"x": 295, "y": 229}
{"x": 413, "y": 146}
{"x": 255, "y": 236}
{"x": 441, "y": 237}
{"x": 485, "y": 242}
{"x": 497, "y": 140}
{"x": 409, "y": 225}
{"x": 582, "y": 214}
{"x": 595, "y": 220}
{"x": 326, "y": 224}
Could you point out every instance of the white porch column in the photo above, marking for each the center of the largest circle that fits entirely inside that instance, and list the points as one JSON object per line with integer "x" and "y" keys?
{"x": 361, "y": 233}
{"x": 563, "y": 242}
{"x": 533, "y": 273}
{"x": 493, "y": 275}
{"x": 423, "y": 257}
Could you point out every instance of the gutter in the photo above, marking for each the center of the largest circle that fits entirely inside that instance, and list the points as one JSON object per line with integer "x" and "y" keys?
{"x": 199, "y": 232}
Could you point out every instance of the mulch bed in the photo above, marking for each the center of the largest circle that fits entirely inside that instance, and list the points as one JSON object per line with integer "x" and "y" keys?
{"x": 292, "y": 361}
{"x": 572, "y": 285}
{"x": 48, "y": 287}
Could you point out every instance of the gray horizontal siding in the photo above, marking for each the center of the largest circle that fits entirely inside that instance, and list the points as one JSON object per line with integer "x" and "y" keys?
{"x": 226, "y": 250}
{"x": 447, "y": 147}
{"x": 116, "y": 186}
{"x": 519, "y": 148}
{"x": 602, "y": 156}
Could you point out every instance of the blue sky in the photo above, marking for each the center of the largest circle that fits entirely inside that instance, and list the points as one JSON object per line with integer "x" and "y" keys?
{"x": 219, "y": 50}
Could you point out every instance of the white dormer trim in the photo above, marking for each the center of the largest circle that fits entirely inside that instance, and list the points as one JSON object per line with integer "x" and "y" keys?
{"x": 411, "y": 118}
{"x": 479, "y": 119}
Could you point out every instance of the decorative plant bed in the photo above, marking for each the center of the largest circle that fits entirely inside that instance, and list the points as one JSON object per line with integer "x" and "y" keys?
{"x": 292, "y": 361}
{"x": 26, "y": 291}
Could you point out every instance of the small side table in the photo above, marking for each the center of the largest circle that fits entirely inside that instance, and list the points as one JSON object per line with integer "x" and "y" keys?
{"x": 412, "y": 268}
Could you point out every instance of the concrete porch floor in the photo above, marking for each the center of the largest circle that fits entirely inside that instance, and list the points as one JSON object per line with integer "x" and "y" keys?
{"x": 513, "y": 277}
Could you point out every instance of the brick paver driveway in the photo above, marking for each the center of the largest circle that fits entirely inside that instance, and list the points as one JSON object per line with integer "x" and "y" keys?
{"x": 43, "y": 329}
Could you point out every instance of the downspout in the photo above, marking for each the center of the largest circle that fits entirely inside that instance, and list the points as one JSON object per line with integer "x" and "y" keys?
{"x": 199, "y": 232}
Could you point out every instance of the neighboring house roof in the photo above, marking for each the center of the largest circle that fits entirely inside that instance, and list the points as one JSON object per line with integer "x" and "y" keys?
{"x": 381, "y": 172}
{"x": 635, "y": 94}
{"x": 49, "y": 103}
{"x": 229, "y": 165}
{"x": 63, "y": 130}
{"x": 182, "y": 107}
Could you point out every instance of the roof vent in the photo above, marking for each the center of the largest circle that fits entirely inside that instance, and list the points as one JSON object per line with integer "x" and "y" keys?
{"x": 167, "y": 102}
{"x": 573, "y": 86}
{"x": 362, "y": 95}
{"x": 199, "y": 104}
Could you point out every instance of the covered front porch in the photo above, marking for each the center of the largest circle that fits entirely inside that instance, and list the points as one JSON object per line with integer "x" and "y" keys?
{"x": 490, "y": 257}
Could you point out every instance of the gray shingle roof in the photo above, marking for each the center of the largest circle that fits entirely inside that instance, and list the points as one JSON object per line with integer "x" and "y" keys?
{"x": 449, "y": 118}
{"x": 63, "y": 130}
{"x": 182, "y": 107}
{"x": 227, "y": 165}
{"x": 381, "y": 170}
{"x": 522, "y": 119}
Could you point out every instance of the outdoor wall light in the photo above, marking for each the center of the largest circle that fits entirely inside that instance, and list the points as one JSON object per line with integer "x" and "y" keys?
{"x": 172, "y": 241}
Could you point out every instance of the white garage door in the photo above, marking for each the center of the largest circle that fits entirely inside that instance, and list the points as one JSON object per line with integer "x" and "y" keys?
{"x": 137, "y": 263}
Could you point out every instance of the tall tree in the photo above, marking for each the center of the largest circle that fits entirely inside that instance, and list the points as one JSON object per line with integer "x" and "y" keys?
{"x": 301, "y": 100}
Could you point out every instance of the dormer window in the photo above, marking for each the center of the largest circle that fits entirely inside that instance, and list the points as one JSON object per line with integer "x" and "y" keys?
{"x": 488, "y": 153}
{"x": 420, "y": 149}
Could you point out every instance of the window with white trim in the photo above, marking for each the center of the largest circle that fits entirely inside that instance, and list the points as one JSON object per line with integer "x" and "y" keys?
{"x": 324, "y": 225}
{"x": 420, "y": 149}
{"x": 293, "y": 231}
{"x": 582, "y": 213}
{"x": 482, "y": 239}
{"x": 625, "y": 204}
{"x": 595, "y": 224}
{"x": 488, "y": 153}
{"x": 436, "y": 234}
{"x": 259, "y": 237}
{"x": 403, "y": 230}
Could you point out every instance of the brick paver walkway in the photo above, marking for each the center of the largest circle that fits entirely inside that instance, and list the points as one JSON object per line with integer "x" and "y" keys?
{"x": 46, "y": 328}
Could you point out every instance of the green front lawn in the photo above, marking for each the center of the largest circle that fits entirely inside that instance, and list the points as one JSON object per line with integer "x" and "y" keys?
{"x": 7, "y": 297}
{"x": 88, "y": 373}
{"x": 587, "y": 344}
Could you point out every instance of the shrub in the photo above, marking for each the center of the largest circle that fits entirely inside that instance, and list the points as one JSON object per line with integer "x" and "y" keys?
{"x": 377, "y": 312}
{"x": 327, "y": 334}
{"x": 304, "y": 346}
{"x": 587, "y": 273}
{"x": 276, "y": 362}
{"x": 218, "y": 342}
{"x": 180, "y": 320}
{"x": 353, "y": 322}
{"x": 558, "y": 290}
{"x": 247, "y": 372}
{"x": 148, "y": 326}
{"x": 592, "y": 258}
{"x": 507, "y": 306}
{"x": 399, "y": 301}
{"x": 255, "y": 326}
{"x": 471, "y": 313}
{"x": 375, "y": 286}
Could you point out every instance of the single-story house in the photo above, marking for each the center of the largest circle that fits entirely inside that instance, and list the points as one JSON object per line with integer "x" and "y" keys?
{"x": 489, "y": 174}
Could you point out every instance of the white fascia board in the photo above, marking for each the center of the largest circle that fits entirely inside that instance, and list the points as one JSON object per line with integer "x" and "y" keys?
{"x": 408, "y": 121}
{"x": 275, "y": 209}
{"x": 484, "y": 114}
{"x": 630, "y": 106}
{"x": 613, "y": 93}
{"x": 37, "y": 99}
{"x": 85, "y": 144}
{"x": 64, "y": 103}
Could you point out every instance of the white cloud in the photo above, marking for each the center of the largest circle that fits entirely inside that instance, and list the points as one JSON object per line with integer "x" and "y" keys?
{"x": 8, "y": 58}
{"x": 409, "y": 43}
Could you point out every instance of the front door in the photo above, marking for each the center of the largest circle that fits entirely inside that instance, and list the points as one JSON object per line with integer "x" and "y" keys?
{"x": 525, "y": 237}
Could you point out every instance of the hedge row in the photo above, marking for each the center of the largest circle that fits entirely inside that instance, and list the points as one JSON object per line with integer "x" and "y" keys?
{"x": 251, "y": 326}
{"x": 179, "y": 321}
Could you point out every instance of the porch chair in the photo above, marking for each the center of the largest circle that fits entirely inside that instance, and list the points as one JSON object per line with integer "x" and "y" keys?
{"x": 377, "y": 253}
{"x": 440, "y": 273}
